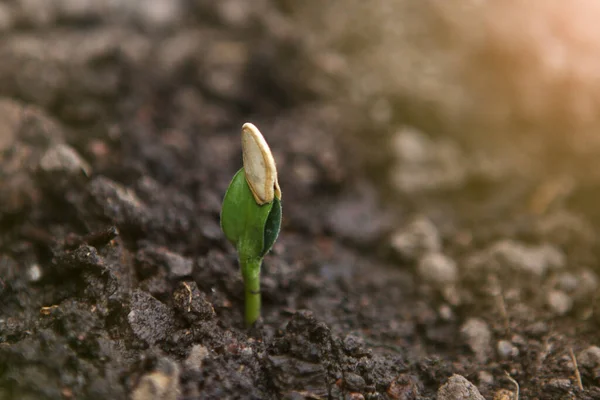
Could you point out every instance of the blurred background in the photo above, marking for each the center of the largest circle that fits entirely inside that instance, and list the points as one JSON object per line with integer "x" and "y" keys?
{"x": 426, "y": 96}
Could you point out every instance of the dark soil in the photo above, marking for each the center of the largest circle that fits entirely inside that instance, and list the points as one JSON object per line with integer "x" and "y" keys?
{"x": 119, "y": 133}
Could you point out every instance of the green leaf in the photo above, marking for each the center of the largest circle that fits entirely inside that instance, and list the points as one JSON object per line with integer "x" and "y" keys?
{"x": 243, "y": 221}
{"x": 272, "y": 226}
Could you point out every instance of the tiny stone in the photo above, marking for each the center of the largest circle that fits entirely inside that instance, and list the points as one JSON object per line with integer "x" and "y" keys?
{"x": 560, "y": 303}
{"x": 537, "y": 329}
{"x": 197, "y": 355}
{"x": 178, "y": 265}
{"x": 34, "y": 272}
{"x": 63, "y": 158}
{"x": 533, "y": 260}
{"x": 247, "y": 351}
{"x": 590, "y": 357}
{"x": 559, "y": 384}
{"x": 478, "y": 336}
{"x": 418, "y": 238}
{"x": 404, "y": 387}
{"x": 354, "y": 396}
{"x": 161, "y": 384}
{"x": 518, "y": 340}
{"x": 446, "y": 312}
{"x": 438, "y": 269}
{"x": 485, "y": 378}
{"x": 458, "y": 388}
{"x": 159, "y": 14}
{"x": 452, "y": 295}
{"x": 506, "y": 350}
{"x": 504, "y": 394}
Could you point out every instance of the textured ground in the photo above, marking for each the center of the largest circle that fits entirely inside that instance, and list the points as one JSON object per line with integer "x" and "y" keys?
{"x": 411, "y": 251}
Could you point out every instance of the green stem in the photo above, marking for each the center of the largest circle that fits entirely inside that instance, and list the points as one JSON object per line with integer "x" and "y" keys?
{"x": 251, "y": 273}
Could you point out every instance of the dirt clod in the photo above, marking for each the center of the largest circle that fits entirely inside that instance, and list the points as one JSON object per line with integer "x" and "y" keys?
{"x": 150, "y": 320}
{"x": 192, "y": 303}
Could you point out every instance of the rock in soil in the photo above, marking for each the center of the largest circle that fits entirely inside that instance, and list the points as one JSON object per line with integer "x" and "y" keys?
{"x": 459, "y": 388}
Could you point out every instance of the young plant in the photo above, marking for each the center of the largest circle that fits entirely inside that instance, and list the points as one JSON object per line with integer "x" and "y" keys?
{"x": 251, "y": 213}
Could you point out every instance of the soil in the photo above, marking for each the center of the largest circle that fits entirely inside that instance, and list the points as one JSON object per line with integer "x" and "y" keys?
{"x": 119, "y": 133}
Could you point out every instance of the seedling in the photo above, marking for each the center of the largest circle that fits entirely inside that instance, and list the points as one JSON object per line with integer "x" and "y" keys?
{"x": 251, "y": 213}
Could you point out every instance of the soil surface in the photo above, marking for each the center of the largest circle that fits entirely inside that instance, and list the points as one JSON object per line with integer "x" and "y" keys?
{"x": 119, "y": 133}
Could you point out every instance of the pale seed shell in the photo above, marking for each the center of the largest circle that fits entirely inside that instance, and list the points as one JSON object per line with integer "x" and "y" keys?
{"x": 259, "y": 165}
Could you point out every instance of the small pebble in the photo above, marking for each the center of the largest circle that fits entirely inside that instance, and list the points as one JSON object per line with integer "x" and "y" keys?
{"x": 404, "y": 387}
{"x": 458, "y": 388}
{"x": 197, "y": 355}
{"x": 418, "y": 238}
{"x": 354, "y": 396}
{"x": 518, "y": 340}
{"x": 506, "y": 350}
{"x": 504, "y": 394}
{"x": 537, "y": 329}
{"x": 590, "y": 357}
{"x": 34, "y": 272}
{"x": 532, "y": 260}
{"x": 477, "y": 335}
{"x": 445, "y": 312}
{"x": 438, "y": 269}
{"x": 559, "y": 302}
{"x": 559, "y": 384}
{"x": 177, "y": 265}
{"x": 485, "y": 378}
{"x": 160, "y": 384}
{"x": 63, "y": 158}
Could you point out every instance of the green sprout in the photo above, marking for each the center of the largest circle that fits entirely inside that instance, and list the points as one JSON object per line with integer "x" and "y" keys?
{"x": 251, "y": 213}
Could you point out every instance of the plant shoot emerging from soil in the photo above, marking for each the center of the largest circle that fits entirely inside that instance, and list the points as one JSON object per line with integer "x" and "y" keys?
{"x": 251, "y": 213}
